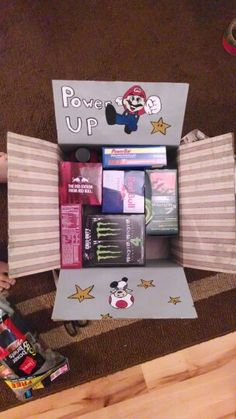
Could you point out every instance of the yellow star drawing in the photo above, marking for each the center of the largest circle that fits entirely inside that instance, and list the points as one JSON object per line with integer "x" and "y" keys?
{"x": 106, "y": 316}
{"x": 82, "y": 295}
{"x": 146, "y": 284}
{"x": 159, "y": 126}
{"x": 174, "y": 300}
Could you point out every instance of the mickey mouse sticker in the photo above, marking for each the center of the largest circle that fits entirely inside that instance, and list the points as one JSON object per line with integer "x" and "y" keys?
{"x": 135, "y": 104}
{"x": 121, "y": 296}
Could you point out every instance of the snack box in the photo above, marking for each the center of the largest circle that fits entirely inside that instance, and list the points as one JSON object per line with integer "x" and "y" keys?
{"x": 123, "y": 192}
{"x": 131, "y": 157}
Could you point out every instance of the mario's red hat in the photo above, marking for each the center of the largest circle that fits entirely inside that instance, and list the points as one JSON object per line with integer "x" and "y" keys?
{"x": 135, "y": 91}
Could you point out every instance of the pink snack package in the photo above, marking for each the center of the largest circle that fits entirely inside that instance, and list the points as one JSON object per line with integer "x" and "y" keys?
{"x": 80, "y": 183}
{"x": 71, "y": 236}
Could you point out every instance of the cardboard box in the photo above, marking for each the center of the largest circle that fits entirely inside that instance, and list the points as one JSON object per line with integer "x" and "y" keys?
{"x": 206, "y": 199}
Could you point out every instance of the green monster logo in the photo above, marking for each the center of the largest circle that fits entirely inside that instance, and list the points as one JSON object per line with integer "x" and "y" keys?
{"x": 105, "y": 229}
{"x": 107, "y": 252}
{"x": 136, "y": 242}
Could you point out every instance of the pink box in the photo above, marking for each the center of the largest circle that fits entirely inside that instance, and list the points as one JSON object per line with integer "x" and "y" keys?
{"x": 71, "y": 236}
{"x": 80, "y": 183}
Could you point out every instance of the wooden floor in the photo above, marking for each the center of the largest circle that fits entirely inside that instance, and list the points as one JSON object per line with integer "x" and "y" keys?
{"x": 197, "y": 382}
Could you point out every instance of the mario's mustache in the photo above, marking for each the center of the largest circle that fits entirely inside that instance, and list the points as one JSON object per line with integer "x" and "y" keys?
{"x": 135, "y": 106}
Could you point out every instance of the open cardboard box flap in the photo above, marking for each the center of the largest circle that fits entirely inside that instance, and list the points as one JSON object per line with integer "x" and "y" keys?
{"x": 206, "y": 205}
{"x": 207, "y": 235}
{"x": 80, "y": 112}
{"x": 33, "y": 205}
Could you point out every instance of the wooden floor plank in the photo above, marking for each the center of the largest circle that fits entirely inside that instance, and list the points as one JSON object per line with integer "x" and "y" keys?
{"x": 195, "y": 383}
{"x": 84, "y": 398}
{"x": 208, "y": 396}
{"x": 190, "y": 362}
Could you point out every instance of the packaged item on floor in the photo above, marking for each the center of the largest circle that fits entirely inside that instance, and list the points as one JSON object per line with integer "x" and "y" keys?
{"x": 71, "y": 236}
{"x": 114, "y": 240}
{"x": 25, "y": 364}
{"x": 161, "y": 202}
{"x": 129, "y": 157}
{"x": 80, "y": 183}
{"x": 123, "y": 192}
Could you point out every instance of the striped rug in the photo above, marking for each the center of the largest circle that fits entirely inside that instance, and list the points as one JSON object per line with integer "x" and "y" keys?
{"x": 106, "y": 346}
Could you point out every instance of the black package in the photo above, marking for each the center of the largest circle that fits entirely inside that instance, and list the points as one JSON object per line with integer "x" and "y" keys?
{"x": 161, "y": 202}
{"x": 114, "y": 240}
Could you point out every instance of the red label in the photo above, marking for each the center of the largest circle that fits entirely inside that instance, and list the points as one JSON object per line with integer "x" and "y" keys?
{"x": 28, "y": 365}
{"x": 229, "y": 47}
{"x": 10, "y": 338}
{"x": 163, "y": 183}
{"x": 71, "y": 236}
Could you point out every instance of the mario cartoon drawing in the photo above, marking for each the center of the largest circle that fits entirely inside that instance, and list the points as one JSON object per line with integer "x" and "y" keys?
{"x": 135, "y": 104}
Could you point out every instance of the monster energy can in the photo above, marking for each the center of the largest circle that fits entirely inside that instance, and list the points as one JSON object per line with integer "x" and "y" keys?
{"x": 114, "y": 240}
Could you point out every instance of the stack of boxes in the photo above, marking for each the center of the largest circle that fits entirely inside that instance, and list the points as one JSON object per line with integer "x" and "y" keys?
{"x": 107, "y": 208}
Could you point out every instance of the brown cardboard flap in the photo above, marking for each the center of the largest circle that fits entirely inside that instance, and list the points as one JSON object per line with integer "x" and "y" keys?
{"x": 207, "y": 238}
{"x": 33, "y": 206}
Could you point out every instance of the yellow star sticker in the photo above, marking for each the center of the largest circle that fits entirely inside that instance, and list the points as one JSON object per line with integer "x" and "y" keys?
{"x": 146, "y": 284}
{"x": 159, "y": 126}
{"x": 106, "y": 316}
{"x": 174, "y": 300}
{"x": 82, "y": 295}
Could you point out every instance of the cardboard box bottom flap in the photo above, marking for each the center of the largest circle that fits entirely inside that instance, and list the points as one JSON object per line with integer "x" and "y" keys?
{"x": 158, "y": 290}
